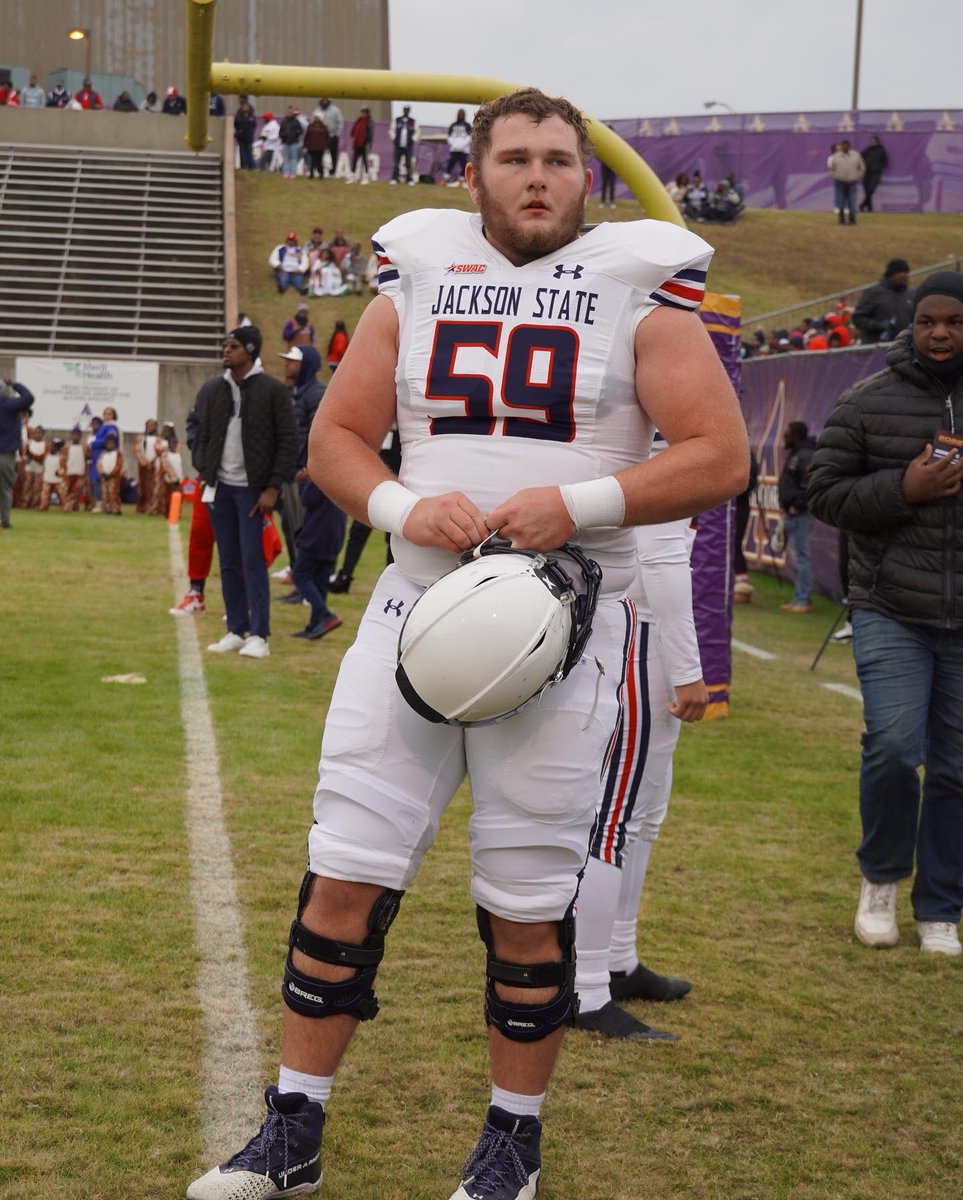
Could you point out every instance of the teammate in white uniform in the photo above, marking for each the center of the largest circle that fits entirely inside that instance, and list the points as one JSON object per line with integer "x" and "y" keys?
{"x": 509, "y": 349}
{"x": 661, "y": 686}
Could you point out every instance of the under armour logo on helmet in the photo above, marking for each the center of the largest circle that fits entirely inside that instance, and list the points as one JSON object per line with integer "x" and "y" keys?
{"x": 561, "y": 270}
{"x": 395, "y": 606}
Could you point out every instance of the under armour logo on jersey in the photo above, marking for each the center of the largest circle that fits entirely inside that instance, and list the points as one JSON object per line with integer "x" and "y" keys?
{"x": 395, "y": 606}
{"x": 561, "y": 270}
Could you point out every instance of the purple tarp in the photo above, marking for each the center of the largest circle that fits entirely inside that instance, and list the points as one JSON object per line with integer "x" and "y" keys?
{"x": 795, "y": 387}
{"x": 781, "y": 157}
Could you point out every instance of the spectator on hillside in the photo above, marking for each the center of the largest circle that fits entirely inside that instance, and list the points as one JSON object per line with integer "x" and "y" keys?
{"x": 678, "y": 189}
{"x": 353, "y": 268}
{"x": 270, "y": 142}
{"x": 724, "y": 204}
{"x": 290, "y": 134}
{"x": 326, "y": 278}
{"x": 333, "y": 120}
{"x": 886, "y": 309}
{"x": 245, "y": 127}
{"x": 124, "y": 103}
{"x": 33, "y": 95}
{"x": 819, "y": 339}
{"x": 737, "y": 187}
{"x": 339, "y": 246}
{"x": 174, "y": 103}
{"x": 696, "y": 200}
{"x": 15, "y": 400}
{"x": 838, "y": 331}
{"x": 88, "y": 97}
{"x": 290, "y": 262}
{"x": 362, "y": 135}
{"x": 404, "y": 138}
{"x": 298, "y": 330}
{"x": 316, "y": 141}
{"x": 151, "y": 103}
{"x": 337, "y": 345}
{"x": 215, "y": 107}
{"x": 847, "y": 168}
{"x": 876, "y": 160}
{"x": 58, "y": 96}
{"x": 459, "y": 147}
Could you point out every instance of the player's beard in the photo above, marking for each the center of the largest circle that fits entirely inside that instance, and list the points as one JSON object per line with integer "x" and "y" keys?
{"x": 534, "y": 240}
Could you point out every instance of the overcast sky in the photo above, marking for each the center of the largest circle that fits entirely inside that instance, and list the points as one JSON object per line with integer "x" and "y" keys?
{"x": 636, "y": 58}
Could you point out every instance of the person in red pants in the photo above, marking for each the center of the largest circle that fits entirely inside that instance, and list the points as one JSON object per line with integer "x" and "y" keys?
{"x": 200, "y": 550}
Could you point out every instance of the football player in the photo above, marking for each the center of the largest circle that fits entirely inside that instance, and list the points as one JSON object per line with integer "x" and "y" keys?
{"x": 511, "y": 348}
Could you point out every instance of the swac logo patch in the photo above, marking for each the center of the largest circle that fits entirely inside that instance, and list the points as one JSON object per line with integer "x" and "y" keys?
{"x": 394, "y": 606}
{"x": 466, "y": 268}
{"x": 561, "y": 269}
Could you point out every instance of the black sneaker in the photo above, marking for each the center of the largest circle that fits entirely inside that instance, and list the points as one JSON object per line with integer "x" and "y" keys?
{"x": 506, "y": 1163}
{"x": 643, "y": 984}
{"x": 340, "y": 584}
{"x": 292, "y": 597}
{"x": 614, "y": 1022}
{"x": 282, "y": 1159}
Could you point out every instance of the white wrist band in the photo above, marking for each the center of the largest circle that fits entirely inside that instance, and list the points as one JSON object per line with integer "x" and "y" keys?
{"x": 595, "y": 503}
{"x": 389, "y": 506}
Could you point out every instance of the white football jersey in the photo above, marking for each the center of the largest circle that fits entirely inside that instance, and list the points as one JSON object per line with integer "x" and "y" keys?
{"x": 513, "y": 377}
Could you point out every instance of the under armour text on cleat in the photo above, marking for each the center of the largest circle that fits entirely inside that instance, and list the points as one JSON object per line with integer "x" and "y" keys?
{"x": 614, "y": 1022}
{"x": 507, "y": 1162}
{"x": 282, "y": 1159}
{"x": 644, "y": 984}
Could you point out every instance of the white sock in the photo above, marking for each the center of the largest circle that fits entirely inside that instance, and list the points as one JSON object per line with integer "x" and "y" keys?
{"x": 517, "y": 1104}
{"x": 623, "y": 954}
{"x": 315, "y": 1087}
{"x": 598, "y": 896}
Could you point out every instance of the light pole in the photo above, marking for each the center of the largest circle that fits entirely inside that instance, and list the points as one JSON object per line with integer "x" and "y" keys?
{"x": 742, "y": 132}
{"x": 82, "y": 35}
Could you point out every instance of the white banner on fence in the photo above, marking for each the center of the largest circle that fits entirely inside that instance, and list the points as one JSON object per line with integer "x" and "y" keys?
{"x": 69, "y": 391}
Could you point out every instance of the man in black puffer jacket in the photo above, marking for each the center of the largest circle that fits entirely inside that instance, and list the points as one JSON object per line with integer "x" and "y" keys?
{"x": 248, "y": 448}
{"x": 888, "y": 470}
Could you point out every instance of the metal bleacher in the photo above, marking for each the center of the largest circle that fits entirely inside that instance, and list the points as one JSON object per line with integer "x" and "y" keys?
{"x": 111, "y": 253}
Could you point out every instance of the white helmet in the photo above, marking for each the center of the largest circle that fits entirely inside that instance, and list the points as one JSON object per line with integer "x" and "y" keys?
{"x": 488, "y": 636}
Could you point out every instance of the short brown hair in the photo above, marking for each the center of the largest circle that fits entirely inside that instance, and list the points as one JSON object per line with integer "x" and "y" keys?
{"x": 531, "y": 103}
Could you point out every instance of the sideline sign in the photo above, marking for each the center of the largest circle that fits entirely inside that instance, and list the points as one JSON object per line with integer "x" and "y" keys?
{"x": 69, "y": 391}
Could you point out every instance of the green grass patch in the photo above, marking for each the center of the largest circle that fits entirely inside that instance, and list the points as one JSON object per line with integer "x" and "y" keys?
{"x": 809, "y": 1068}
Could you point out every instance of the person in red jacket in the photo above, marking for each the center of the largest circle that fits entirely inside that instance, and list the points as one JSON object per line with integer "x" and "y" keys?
{"x": 337, "y": 345}
{"x": 88, "y": 97}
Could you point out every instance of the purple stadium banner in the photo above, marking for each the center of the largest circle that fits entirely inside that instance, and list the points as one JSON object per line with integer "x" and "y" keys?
{"x": 780, "y": 158}
{"x": 802, "y": 386}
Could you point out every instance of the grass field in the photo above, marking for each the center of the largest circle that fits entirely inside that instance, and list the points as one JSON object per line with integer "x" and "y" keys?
{"x": 771, "y": 259}
{"x": 809, "y": 1068}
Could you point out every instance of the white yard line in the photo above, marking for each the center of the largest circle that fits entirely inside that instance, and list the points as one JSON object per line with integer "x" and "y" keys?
{"x": 844, "y": 690}
{"x": 754, "y": 651}
{"x": 230, "y": 1061}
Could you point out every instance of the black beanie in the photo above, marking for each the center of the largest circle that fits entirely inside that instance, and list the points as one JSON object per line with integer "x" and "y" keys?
{"x": 896, "y": 266}
{"x": 250, "y": 338}
{"x": 943, "y": 283}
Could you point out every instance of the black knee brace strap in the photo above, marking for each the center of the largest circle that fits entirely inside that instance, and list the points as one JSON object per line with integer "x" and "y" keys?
{"x": 531, "y": 1022}
{"x": 313, "y": 997}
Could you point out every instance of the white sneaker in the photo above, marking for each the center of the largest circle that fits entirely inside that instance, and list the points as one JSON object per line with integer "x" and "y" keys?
{"x": 939, "y": 937}
{"x": 228, "y": 644}
{"x": 875, "y": 923}
{"x": 283, "y": 576}
{"x": 255, "y": 647}
{"x": 365, "y": 180}
{"x": 845, "y": 634}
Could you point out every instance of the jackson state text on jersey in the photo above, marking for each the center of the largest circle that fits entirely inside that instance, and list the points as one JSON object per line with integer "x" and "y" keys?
{"x": 512, "y": 377}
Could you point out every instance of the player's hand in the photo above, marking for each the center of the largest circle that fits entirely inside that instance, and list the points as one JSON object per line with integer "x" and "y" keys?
{"x": 266, "y": 502}
{"x": 533, "y": 519}
{"x": 451, "y": 522}
{"x": 691, "y": 701}
{"x": 928, "y": 478}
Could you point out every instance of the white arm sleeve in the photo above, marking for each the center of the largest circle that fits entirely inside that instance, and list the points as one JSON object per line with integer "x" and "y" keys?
{"x": 667, "y": 579}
